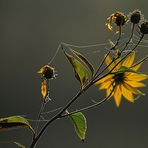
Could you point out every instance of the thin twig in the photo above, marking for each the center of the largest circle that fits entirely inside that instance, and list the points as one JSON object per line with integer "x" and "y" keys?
{"x": 131, "y": 36}
{"x": 112, "y": 48}
{"x": 90, "y": 106}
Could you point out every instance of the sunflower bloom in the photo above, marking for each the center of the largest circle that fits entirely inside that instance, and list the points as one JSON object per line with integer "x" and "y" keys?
{"x": 118, "y": 84}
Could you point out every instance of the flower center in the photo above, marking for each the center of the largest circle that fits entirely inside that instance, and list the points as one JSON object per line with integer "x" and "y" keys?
{"x": 119, "y": 78}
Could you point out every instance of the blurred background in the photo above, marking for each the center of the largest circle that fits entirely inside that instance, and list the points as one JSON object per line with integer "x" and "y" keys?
{"x": 30, "y": 32}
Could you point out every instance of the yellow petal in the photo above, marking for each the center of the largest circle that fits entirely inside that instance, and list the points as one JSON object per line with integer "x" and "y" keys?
{"x": 135, "y": 84}
{"x": 133, "y": 90}
{"x": 105, "y": 79}
{"x": 127, "y": 94}
{"x": 136, "y": 66}
{"x": 117, "y": 95}
{"x": 41, "y": 71}
{"x": 136, "y": 77}
{"x": 105, "y": 85}
{"x": 129, "y": 60}
{"x": 118, "y": 63}
{"x": 108, "y": 60}
{"x": 109, "y": 90}
{"x": 43, "y": 88}
{"x": 109, "y": 22}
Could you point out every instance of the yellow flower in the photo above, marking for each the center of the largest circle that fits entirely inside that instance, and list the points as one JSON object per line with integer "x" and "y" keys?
{"x": 123, "y": 83}
{"x": 118, "y": 17}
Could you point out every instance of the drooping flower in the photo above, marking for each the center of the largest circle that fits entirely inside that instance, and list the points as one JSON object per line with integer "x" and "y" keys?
{"x": 118, "y": 18}
{"x": 123, "y": 83}
{"x": 47, "y": 72}
{"x": 44, "y": 88}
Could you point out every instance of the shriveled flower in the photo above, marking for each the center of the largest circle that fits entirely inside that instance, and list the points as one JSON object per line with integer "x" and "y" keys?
{"x": 136, "y": 16}
{"x": 47, "y": 72}
{"x": 44, "y": 88}
{"x": 144, "y": 27}
{"x": 123, "y": 82}
{"x": 118, "y": 18}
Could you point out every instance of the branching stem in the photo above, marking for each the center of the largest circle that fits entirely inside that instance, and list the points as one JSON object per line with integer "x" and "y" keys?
{"x": 59, "y": 114}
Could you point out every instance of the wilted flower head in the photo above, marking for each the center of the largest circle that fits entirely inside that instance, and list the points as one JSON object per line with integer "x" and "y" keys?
{"x": 119, "y": 19}
{"x": 47, "y": 72}
{"x": 144, "y": 27}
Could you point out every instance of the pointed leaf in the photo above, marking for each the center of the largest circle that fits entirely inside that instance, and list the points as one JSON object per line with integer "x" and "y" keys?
{"x": 84, "y": 60}
{"x": 12, "y": 142}
{"x": 19, "y": 145}
{"x": 127, "y": 69}
{"x": 80, "y": 124}
{"x": 81, "y": 71}
{"x": 111, "y": 43}
{"x": 14, "y": 122}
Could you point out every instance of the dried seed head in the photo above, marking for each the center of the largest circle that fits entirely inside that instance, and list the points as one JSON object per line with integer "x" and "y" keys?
{"x": 136, "y": 17}
{"x": 47, "y": 72}
{"x": 144, "y": 27}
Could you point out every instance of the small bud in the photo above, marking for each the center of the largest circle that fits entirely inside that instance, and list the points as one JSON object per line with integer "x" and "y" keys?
{"x": 144, "y": 28}
{"x": 118, "y": 54}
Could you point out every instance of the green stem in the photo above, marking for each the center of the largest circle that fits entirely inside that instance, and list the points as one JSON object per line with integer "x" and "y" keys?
{"x": 76, "y": 97}
{"x": 90, "y": 106}
{"x": 131, "y": 36}
{"x": 112, "y": 48}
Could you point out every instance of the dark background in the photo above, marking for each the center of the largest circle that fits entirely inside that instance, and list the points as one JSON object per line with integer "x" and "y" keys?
{"x": 30, "y": 32}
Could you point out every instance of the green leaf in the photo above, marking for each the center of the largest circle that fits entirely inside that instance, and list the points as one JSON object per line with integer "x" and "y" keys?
{"x": 14, "y": 122}
{"x": 111, "y": 43}
{"x": 84, "y": 60}
{"x": 82, "y": 73}
{"x": 12, "y": 142}
{"x": 80, "y": 124}
{"x": 19, "y": 145}
{"x": 123, "y": 69}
